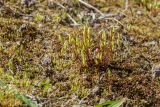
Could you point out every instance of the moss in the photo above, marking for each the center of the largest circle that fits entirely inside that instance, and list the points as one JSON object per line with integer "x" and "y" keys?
{"x": 110, "y": 54}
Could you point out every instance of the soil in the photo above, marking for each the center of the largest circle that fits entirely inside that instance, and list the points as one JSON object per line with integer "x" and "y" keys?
{"x": 35, "y": 62}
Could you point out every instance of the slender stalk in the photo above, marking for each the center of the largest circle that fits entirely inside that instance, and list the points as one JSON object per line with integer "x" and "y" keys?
{"x": 90, "y": 6}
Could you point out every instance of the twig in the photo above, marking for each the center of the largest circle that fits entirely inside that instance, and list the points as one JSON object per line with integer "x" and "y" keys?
{"x": 74, "y": 22}
{"x": 69, "y": 16}
{"x": 149, "y": 17}
{"x": 57, "y": 3}
{"x": 1, "y": 3}
{"x": 115, "y": 20}
{"x": 126, "y": 4}
{"x": 90, "y": 6}
{"x": 108, "y": 15}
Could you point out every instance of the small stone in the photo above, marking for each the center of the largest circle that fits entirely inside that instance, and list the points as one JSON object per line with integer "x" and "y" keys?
{"x": 51, "y": 3}
{"x": 39, "y": 38}
{"x": 150, "y": 43}
{"x": 95, "y": 90}
{"x": 40, "y": 25}
{"x": 1, "y": 3}
{"x": 28, "y": 17}
{"x": 77, "y": 106}
{"x": 84, "y": 76}
{"x": 47, "y": 44}
{"x": 18, "y": 42}
{"x": 156, "y": 70}
{"x": 22, "y": 27}
{"x": 74, "y": 97}
{"x": 102, "y": 100}
{"x": 46, "y": 60}
{"x": 139, "y": 13}
{"x": 28, "y": 3}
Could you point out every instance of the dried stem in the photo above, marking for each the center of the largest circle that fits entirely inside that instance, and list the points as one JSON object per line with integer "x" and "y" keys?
{"x": 90, "y": 6}
{"x": 126, "y": 4}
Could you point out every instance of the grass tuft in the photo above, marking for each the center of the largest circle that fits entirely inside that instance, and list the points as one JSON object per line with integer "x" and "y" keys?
{"x": 89, "y": 52}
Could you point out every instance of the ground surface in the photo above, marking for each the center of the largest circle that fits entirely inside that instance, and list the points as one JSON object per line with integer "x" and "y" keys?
{"x": 44, "y": 55}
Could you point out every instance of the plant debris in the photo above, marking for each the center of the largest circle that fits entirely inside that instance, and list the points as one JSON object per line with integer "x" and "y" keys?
{"x": 78, "y": 53}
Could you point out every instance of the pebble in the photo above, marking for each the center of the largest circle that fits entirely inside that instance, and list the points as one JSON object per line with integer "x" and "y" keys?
{"x": 28, "y": 3}
{"x": 51, "y": 3}
{"x": 156, "y": 70}
{"x": 95, "y": 90}
{"x": 102, "y": 100}
{"x": 47, "y": 44}
{"x": 139, "y": 13}
{"x": 46, "y": 60}
{"x": 74, "y": 97}
{"x": 77, "y": 106}
{"x": 18, "y": 43}
{"x": 150, "y": 43}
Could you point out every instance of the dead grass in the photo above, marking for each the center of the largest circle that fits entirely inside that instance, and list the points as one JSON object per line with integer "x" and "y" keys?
{"x": 56, "y": 63}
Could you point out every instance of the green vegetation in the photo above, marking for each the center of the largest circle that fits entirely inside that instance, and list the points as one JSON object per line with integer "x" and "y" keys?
{"x": 149, "y": 4}
{"x": 91, "y": 52}
{"x": 62, "y": 53}
{"x": 11, "y": 91}
{"x": 117, "y": 103}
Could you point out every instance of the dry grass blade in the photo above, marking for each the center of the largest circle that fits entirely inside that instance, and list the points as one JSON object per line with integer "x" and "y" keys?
{"x": 90, "y": 6}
